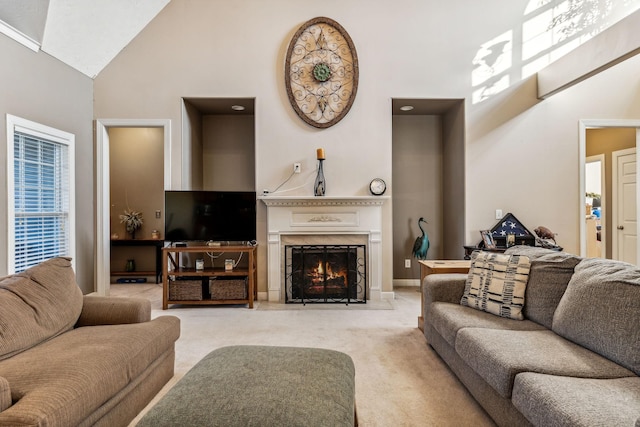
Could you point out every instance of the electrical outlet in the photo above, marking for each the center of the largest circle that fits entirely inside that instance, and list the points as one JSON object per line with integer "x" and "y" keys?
{"x": 407, "y": 263}
{"x": 498, "y": 213}
{"x": 157, "y": 214}
{"x": 297, "y": 168}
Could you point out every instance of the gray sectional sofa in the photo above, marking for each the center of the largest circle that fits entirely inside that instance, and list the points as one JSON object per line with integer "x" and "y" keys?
{"x": 73, "y": 360}
{"x": 573, "y": 361}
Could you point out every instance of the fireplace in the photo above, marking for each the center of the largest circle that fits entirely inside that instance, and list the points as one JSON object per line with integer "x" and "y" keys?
{"x": 325, "y": 274}
{"x": 324, "y": 221}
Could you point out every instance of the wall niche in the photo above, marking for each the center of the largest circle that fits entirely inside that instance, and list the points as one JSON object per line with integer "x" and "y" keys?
{"x": 218, "y": 140}
{"x": 428, "y": 161}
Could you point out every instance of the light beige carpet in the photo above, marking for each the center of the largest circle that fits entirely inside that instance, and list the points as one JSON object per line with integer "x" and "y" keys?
{"x": 400, "y": 380}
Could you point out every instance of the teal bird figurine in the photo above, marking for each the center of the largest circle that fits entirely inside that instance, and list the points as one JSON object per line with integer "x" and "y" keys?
{"x": 421, "y": 245}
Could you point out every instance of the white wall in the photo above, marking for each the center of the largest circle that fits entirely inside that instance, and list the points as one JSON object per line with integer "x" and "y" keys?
{"x": 37, "y": 87}
{"x": 521, "y": 154}
{"x": 529, "y": 164}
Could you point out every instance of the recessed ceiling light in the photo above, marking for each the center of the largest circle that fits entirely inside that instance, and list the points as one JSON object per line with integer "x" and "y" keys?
{"x": 406, "y": 108}
{"x": 237, "y": 107}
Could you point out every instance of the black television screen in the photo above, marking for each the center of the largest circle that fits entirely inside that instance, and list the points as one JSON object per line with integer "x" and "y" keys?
{"x": 219, "y": 216}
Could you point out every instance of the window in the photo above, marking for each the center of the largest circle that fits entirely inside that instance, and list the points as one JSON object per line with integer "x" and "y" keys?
{"x": 41, "y": 193}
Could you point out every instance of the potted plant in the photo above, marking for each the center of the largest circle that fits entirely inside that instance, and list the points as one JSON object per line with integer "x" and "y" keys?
{"x": 132, "y": 221}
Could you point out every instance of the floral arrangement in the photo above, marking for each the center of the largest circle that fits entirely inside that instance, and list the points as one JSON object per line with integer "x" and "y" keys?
{"x": 132, "y": 220}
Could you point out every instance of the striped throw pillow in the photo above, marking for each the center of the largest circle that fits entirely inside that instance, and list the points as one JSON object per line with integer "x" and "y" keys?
{"x": 496, "y": 284}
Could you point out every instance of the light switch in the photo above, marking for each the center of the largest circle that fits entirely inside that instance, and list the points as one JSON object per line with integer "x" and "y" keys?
{"x": 498, "y": 213}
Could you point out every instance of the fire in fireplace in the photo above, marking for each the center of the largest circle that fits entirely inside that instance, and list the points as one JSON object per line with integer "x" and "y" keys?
{"x": 325, "y": 274}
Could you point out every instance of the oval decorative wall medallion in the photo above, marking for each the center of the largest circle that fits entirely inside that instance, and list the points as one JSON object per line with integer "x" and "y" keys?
{"x": 321, "y": 72}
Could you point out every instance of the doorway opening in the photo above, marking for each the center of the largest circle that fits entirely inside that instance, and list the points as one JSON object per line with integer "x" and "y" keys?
{"x": 595, "y": 205}
{"x": 603, "y": 138}
{"x": 103, "y": 187}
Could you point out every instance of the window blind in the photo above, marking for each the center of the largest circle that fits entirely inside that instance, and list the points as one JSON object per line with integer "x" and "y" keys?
{"x": 41, "y": 200}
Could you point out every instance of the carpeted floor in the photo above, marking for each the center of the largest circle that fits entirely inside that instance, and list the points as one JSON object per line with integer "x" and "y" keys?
{"x": 400, "y": 380}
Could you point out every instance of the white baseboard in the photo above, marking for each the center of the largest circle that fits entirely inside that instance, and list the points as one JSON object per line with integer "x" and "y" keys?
{"x": 387, "y": 296}
{"x": 406, "y": 283}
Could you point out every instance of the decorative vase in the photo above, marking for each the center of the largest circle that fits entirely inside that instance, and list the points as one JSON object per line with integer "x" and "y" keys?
{"x": 133, "y": 235}
{"x": 320, "y": 186}
{"x": 130, "y": 266}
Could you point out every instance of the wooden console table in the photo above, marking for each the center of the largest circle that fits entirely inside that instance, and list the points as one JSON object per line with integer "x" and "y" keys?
{"x": 171, "y": 267}
{"x": 158, "y": 244}
{"x": 438, "y": 267}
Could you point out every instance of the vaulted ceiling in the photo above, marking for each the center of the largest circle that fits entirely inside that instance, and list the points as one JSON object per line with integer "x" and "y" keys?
{"x": 85, "y": 34}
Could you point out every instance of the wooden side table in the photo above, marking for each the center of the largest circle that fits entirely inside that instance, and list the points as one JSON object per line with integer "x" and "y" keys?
{"x": 157, "y": 243}
{"x": 438, "y": 267}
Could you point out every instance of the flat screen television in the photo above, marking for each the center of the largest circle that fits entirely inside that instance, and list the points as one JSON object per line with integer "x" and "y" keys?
{"x": 219, "y": 216}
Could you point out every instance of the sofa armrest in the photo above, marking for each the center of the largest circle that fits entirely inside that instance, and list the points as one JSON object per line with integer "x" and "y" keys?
{"x": 5, "y": 394}
{"x": 447, "y": 287}
{"x": 98, "y": 310}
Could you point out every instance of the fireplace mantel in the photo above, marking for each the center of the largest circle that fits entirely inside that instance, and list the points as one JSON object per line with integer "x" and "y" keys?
{"x": 317, "y": 216}
{"x": 324, "y": 201}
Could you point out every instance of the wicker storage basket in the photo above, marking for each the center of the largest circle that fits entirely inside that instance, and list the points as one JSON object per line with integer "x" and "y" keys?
{"x": 185, "y": 290}
{"x": 221, "y": 289}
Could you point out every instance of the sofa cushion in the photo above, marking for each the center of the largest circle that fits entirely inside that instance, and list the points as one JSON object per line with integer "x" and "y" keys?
{"x": 600, "y": 310}
{"x": 549, "y": 400}
{"x": 68, "y": 377}
{"x": 37, "y": 304}
{"x": 549, "y": 276}
{"x": 496, "y": 284}
{"x": 499, "y": 355}
{"x": 447, "y": 319}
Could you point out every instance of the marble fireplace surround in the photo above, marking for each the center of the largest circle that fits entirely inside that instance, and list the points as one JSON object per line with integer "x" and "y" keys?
{"x": 323, "y": 220}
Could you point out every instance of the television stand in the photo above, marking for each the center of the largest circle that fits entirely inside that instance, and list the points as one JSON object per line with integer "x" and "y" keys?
{"x": 190, "y": 286}
{"x": 226, "y": 243}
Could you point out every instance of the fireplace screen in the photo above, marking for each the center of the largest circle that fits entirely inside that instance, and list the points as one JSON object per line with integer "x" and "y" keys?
{"x": 325, "y": 274}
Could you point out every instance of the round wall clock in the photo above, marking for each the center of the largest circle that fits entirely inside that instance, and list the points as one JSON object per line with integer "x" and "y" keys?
{"x": 321, "y": 72}
{"x": 377, "y": 187}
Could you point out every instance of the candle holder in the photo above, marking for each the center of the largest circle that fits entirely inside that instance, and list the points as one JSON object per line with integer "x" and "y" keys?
{"x": 320, "y": 186}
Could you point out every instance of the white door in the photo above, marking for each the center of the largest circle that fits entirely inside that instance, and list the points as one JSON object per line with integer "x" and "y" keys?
{"x": 624, "y": 203}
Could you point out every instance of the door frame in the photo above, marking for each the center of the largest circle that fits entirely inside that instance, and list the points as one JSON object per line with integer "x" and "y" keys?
{"x": 583, "y": 125}
{"x": 103, "y": 233}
